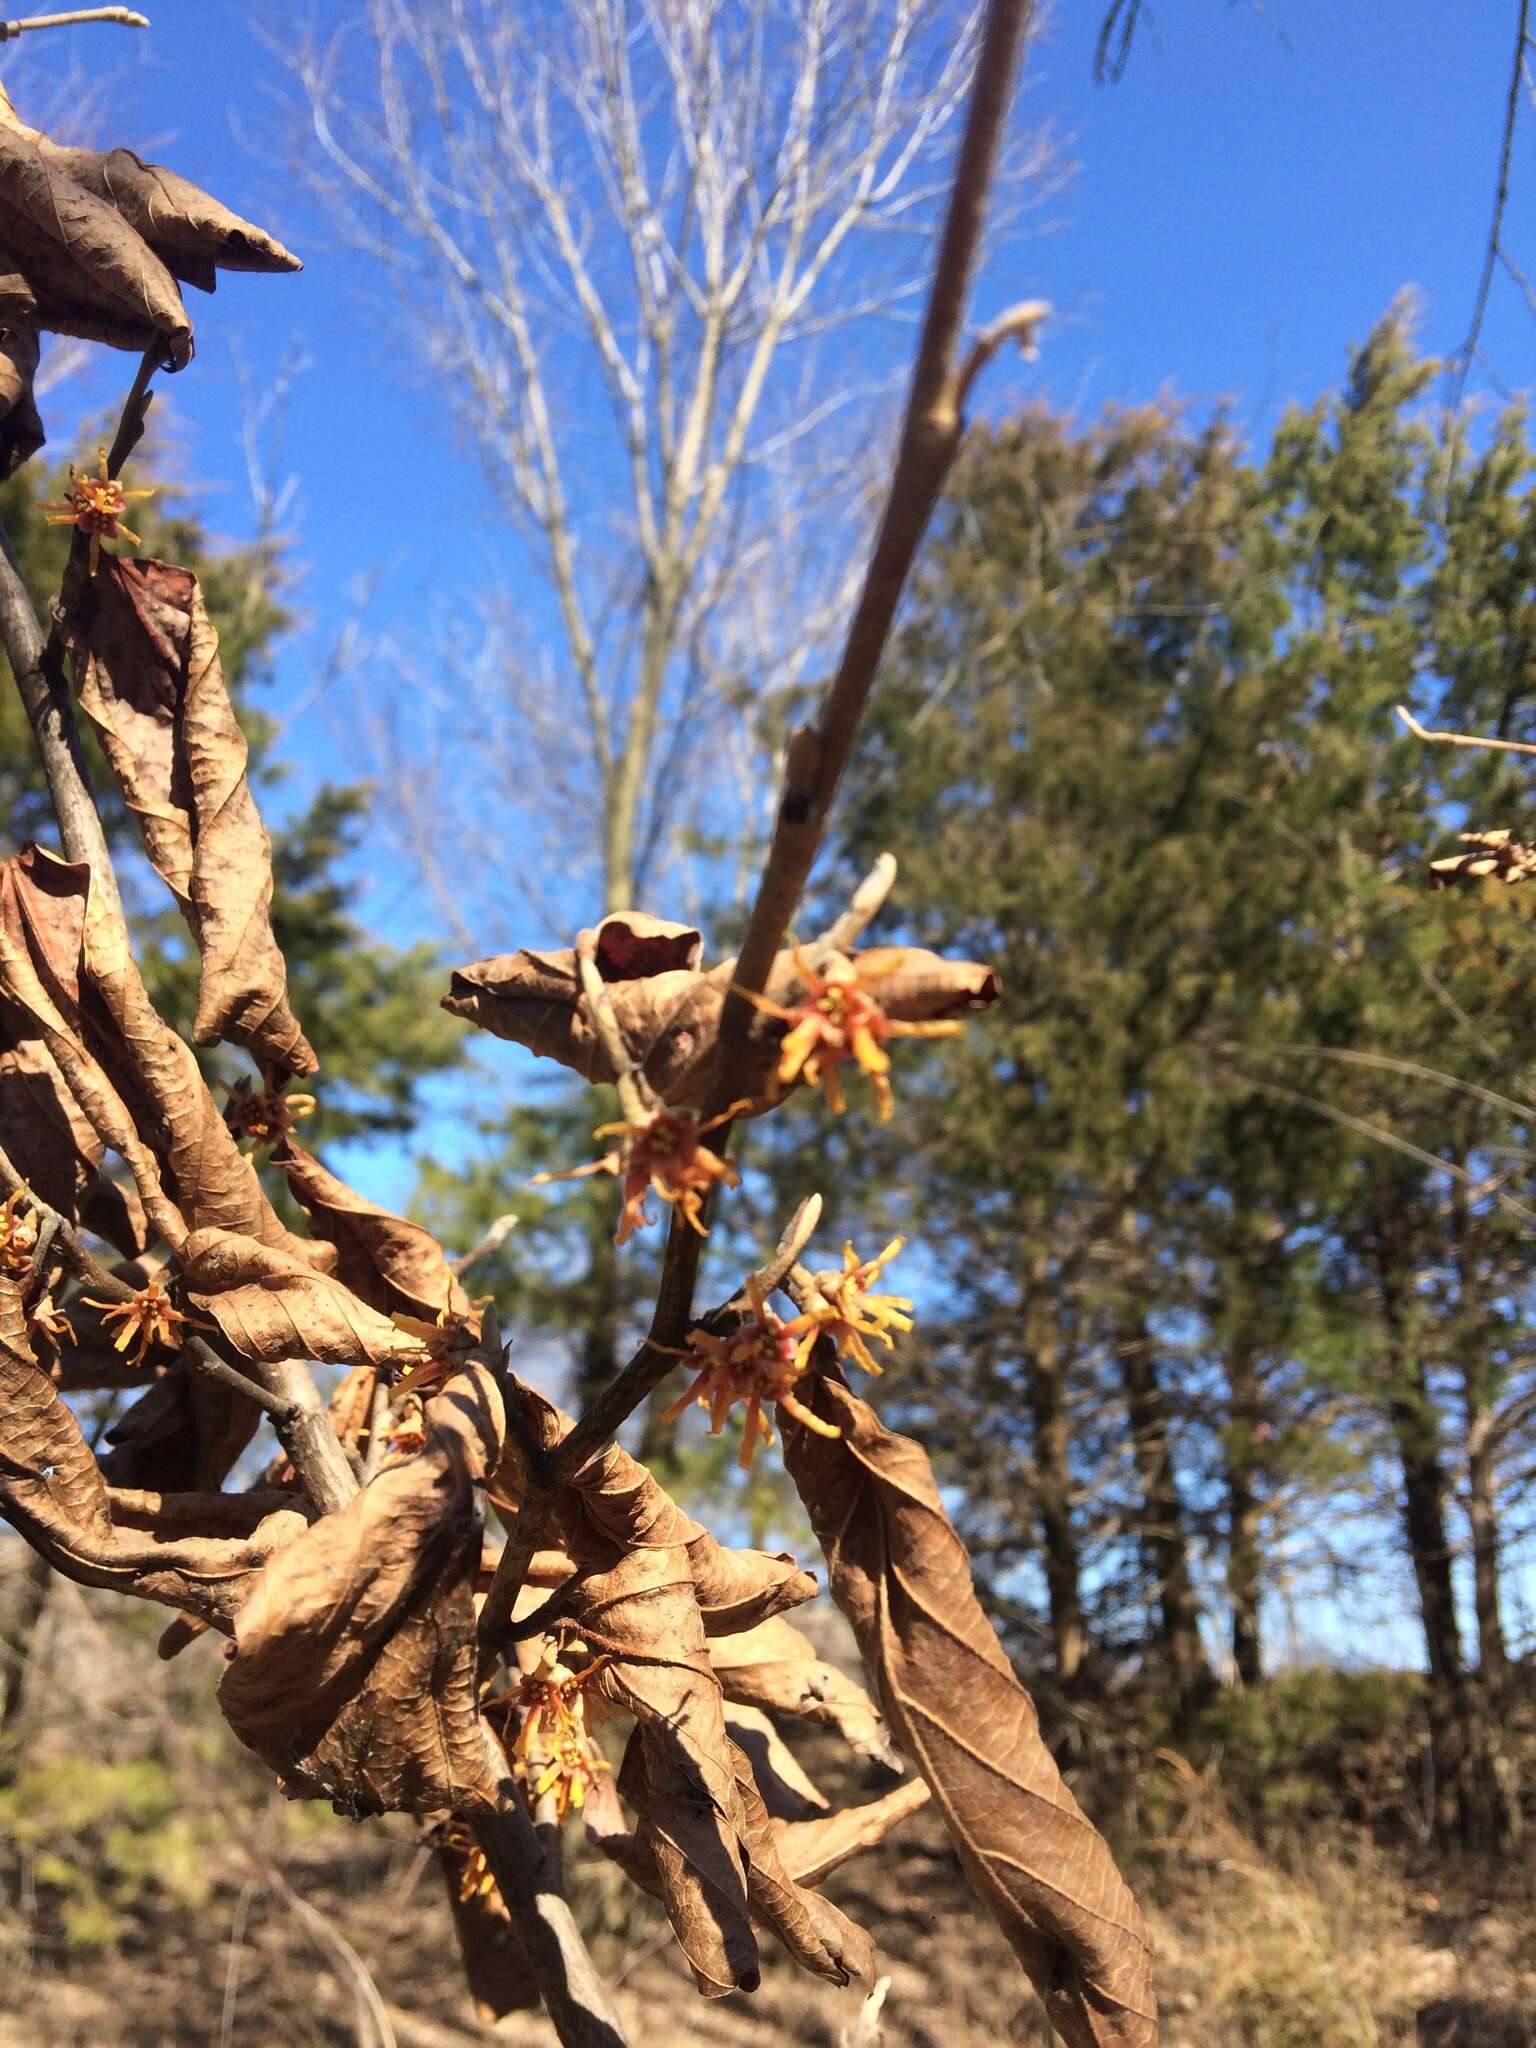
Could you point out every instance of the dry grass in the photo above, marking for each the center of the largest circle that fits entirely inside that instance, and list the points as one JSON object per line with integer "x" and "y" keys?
{"x": 128, "y": 1919}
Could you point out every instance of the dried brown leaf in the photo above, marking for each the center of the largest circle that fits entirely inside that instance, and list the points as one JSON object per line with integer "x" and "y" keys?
{"x": 819, "y": 1936}
{"x": 812, "y": 1849}
{"x": 788, "y": 1792}
{"x": 669, "y": 1016}
{"x": 775, "y": 1666}
{"x": 54, "y": 1493}
{"x": 614, "y": 1499}
{"x": 90, "y": 274}
{"x": 900, "y": 1574}
{"x": 49, "y": 1140}
{"x": 67, "y": 969}
{"x": 386, "y": 1260}
{"x": 272, "y": 1306}
{"x": 96, "y": 242}
{"x": 43, "y": 1131}
{"x": 650, "y": 1583}
{"x": 409, "y": 1740}
{"x": 636, "y": 1603}
{"x": 534, "y": 999}
{"x": 21, "y": 426}
{"x": 147, "y": 667}
{"x": 637, "y": 1608}
{"x": 43, "y": 911}
{"x": 354, "y": 1670}
{"x": 184, "y": 1430}
{"x": 186, "y": 227}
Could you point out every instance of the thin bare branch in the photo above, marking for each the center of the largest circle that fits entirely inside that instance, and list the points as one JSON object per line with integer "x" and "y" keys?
{"x": 1463, "y": 359}
{"x": 930, "y": 438}
{"x": 1019, "y": 324}
{"x": 636, "y": 1097}
{"x": 528, "y": 1877}
{"x": 1462, "y": 739}
{"x": 121, "y": 17}
{"x": 492, "y": 1241}
{"x": 864, "y": 906}
{"x": 1391, "y": 1141}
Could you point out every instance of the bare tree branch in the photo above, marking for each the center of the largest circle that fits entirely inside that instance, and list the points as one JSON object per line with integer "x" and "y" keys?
{"x": 929, "y": 441}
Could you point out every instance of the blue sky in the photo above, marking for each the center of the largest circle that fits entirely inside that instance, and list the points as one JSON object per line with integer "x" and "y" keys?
{"x": 1246, "y": 201}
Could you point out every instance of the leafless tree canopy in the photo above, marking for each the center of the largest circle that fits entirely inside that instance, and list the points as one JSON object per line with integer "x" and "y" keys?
{"x": 629, "y": 243}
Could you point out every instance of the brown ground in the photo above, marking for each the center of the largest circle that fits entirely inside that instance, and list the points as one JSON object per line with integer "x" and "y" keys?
{"x": 244, "y": 1922}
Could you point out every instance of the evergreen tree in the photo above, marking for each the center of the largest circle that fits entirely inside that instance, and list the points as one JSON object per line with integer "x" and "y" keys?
{"x": 1226, "y": 1227}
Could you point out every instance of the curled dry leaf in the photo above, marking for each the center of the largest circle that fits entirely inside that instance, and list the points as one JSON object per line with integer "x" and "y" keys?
{"x": 615, "y": 1500}
{"x": 53, "y": 1492}
{"x": 812, "y": 1849}
{"x": 649, "y": 1581}
{"x": 147, "y": 668}
{"x": 788, "y": 1792}
{"x": 899, "y": 1572}
{"x": 387, "y": 1261}
{"x": 50, "y": 1141}
{"x": 43, "y": 911}
{"x": 273, "y": 1307}
{"x": 354, "y": 1667}
{"x": 21, "y": 426}
{"x": 819, "y": 1936}
{"x": 669, "y": 1014}
{"x": 637, "y": 1608}
{"x": 184, "y": 1430}
{"x": 97, "y": 241}
{"x": 775, "y": 1666}
{"x": 535, "y": 999}
{"x": 66, "y": 967}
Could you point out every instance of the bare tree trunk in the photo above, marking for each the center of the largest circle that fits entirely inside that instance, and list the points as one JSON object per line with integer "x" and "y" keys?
{"x": 1483, "y": 1521}
{"x": 1476, "y": 1802}
{"x": 1478, "y": 1400}
{"x": 1160, "y": 1519}
{"x": 1416, "y": 1433}
{"x": 1424, "y": 1489}
{"x": 18, "y": 1648}
{"x": 1053, "y": 1478}
{"x": 1244, "y": 1515}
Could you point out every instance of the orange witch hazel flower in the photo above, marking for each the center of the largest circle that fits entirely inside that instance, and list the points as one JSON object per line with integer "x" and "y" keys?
{"x": 661, "y": 1151}
{"x": 18, "y": 1235}
{"x": 848, "y": 1313}
{"x": 47, "y": 1324}
{"x": 554, "y": 1750}
{"x": 760, "y": 1362}
{"x": 96, "y": 505}
{"x": 475, "y": 1880}
{"x": 767, "y": 1356}
{"x": 150, "y": 1318}
{"x": 840, "y": 1018}
{"x": 265, "y": 1115}
{"x": 446, "y": 1342}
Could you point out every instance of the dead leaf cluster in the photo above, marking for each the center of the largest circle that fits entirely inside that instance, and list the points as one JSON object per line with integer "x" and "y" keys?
{"x": 669, "y": 1007}
{"x": 98, "y": 244}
